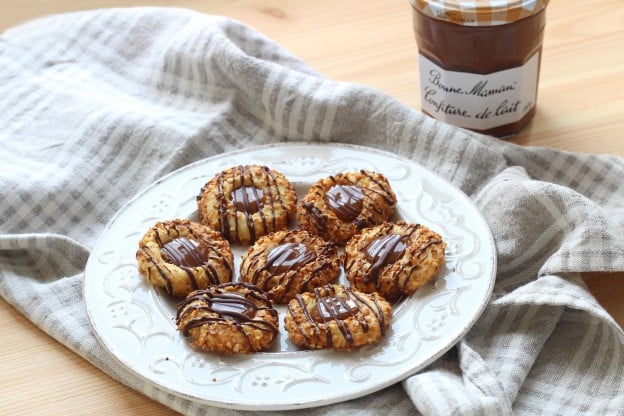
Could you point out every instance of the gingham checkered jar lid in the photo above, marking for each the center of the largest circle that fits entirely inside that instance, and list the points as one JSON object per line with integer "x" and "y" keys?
{"x": 479, "y": 12}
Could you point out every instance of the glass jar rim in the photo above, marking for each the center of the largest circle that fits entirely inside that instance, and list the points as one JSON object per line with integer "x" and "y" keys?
{"x": 479, "y": 12}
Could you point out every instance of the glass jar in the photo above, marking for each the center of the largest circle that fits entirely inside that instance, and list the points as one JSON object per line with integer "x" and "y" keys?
{"x": 479, "y": 61}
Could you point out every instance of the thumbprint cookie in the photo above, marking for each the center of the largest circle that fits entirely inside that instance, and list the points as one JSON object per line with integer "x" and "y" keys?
{"x": 288, "y": 262}
{"x": 181, "y": 256}
{"x": 393, "y": 259}
{"x": 247, "y": 202}
{"x": 333, "y": 316}
{"x": 339, "y": 206}
{"x": 231, "y": 318}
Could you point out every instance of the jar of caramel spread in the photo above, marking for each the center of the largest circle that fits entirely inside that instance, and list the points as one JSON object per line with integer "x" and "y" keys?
{"x": 479, "y": 61}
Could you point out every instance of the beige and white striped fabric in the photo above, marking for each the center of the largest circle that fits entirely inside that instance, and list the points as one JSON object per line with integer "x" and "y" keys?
{"x": 95, "y": 106}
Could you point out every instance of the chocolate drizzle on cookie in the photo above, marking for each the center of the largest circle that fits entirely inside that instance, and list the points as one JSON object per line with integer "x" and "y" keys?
{"x": 346, "y": 201}
{"x": 347, "y": 198}
{"x": 183, "y": 252}
{"x": 288, "y": 256}
{"x": 320, "y": 220}
{"x": 393, "y": 259}
{"x": 381, "y": 188}
{"x": 338, "y": 206}
{"x": 289, "y": 262}
{"x": 180, "y": 244}
{"x": 220, "y": 305}
{"x": 249, "y": 199}
{"x": 334, "y": 307}
{"x": 347, "y": 309}
{"x": 383, "y": 251}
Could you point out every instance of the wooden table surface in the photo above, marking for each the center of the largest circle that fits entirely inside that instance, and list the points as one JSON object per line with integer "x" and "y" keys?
{"x": 580, "y": 108}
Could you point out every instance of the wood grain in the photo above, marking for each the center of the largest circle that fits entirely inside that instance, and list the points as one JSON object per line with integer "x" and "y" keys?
{"x": 580, "y": 109}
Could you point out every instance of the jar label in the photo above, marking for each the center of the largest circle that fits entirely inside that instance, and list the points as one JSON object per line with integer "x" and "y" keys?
{"x": 478, "y": 101}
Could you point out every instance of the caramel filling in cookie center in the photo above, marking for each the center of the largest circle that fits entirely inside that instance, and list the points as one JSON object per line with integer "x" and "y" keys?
{"x": 346, "y": 201}
{"x": 383, "y": 251}
{"x": 247, "y": 199}
{"x": 183, "y": 252}
{"x": 288, "y": 256}
{"x": 334, "y": 308}
{"x": 232, "y": 306}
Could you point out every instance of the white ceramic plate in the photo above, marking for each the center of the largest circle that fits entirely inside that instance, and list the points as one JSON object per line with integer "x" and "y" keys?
{"x": 136, "y": 323}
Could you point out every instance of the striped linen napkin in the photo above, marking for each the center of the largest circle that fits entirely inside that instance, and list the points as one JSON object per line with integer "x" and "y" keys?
{"x": 95, "y": 106}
